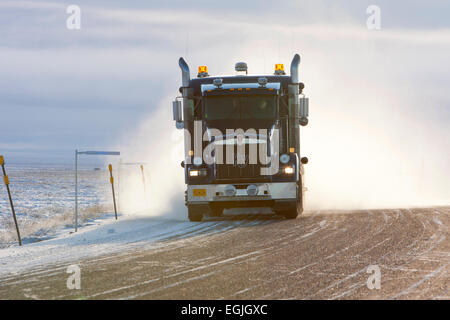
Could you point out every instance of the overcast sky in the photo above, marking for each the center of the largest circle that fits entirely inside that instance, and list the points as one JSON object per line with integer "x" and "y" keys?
{"x": 63, "y": 89}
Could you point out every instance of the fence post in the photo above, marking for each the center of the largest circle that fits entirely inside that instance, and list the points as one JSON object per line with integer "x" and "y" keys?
{"x": 76, "y": 190}
{"x": 6, "y": 180}
{"x": 119, "y": 185}
{"x": 101, "y": 153}
{"x": 111, "y": 179}
{"x": 143, "y": 179}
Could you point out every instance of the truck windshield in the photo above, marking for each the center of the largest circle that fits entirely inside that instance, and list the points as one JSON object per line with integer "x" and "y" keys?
{"x": 240, "y": 107}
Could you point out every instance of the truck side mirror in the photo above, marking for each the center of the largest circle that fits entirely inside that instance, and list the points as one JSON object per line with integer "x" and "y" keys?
{"x": 178, "y": 114}
{"x": 303, "y": 111}
{"x": 304, "y": 160}
{"x": 304, "y": 107}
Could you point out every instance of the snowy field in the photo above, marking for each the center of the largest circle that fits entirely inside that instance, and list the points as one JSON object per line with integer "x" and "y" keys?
{"x": 43, "y": 198}
{"x": 103, "y": 236}
{"x": 44, "y": 202}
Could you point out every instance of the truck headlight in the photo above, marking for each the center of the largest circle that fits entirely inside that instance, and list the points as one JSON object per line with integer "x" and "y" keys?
{"x": 198, "y": 173}
{"x": 230, "y": 190}
{"x": 284, "y": 158}
{"x": 194, "y": 173}
{"x": 289, "y": 170}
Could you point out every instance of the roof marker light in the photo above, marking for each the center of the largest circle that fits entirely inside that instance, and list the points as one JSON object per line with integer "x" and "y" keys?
{"x": 279, "y": 69}
{"x": 202, "y": 71}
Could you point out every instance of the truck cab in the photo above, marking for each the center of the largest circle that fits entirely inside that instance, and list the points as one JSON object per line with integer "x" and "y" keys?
{"x": 242, "y": 140}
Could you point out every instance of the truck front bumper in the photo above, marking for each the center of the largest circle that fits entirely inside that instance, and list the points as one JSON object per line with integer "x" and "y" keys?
{"x": 267, "y": 193}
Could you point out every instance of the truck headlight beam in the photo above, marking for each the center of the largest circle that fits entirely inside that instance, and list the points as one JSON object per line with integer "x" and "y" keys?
{"x": 194, "y": 173}
{"x": 198, "y": 173}
{"x": 289, "y": 170}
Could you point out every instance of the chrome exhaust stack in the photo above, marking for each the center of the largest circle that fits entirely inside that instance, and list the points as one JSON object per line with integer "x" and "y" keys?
{"x": 185, "y": 74}
{"x": 298, "y": 105}
{"x": 294, "y": 69}
{"x": 178, "y": 111}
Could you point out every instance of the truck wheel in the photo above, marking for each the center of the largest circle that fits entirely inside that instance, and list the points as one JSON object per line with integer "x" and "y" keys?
{"x": 194, "y": 214}
{"x": 290, "y": 211}
{"x": 216, "y": 212}
{"x": 301, "y": 195}
{"x": 296, "y": 209}
{"x": 293, "y": 213}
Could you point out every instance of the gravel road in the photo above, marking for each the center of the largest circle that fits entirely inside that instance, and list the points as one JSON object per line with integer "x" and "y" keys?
{"x": 320, "y": 255}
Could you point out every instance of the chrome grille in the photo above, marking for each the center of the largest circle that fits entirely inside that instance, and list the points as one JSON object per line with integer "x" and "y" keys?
{"x": 229, "y": 171}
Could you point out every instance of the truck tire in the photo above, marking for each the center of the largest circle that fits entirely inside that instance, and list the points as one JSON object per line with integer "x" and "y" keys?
{"x": 215, "y": 212}
{"x": 300, "y": 194}
{"x": 296, "y": 208}
{"x": 294, "y": 212}
{"x": 194, "y": 214}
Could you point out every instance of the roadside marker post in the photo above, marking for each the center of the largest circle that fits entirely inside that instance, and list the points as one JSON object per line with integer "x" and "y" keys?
{"x": 111, "y": 179}
{"x": 92, "y": 153}
{"x": 6, "y": 180}
{"x": 143, "y": 178}
{"x": 119, "y": 185}
{"x": 141, "y": 165}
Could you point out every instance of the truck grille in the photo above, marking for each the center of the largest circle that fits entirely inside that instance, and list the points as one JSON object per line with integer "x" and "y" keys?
{"x": 239, "y": 170}
{"x": 229, "y": 171}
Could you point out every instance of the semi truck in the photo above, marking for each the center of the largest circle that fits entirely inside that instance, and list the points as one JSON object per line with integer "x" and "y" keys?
{"x": 242, "y": 140}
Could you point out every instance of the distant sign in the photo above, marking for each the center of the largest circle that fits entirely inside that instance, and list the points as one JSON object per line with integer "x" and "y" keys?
{"x": 103, "y": 153}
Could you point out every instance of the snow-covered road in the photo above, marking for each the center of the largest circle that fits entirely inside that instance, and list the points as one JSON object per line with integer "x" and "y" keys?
{"x": 321, "y": 255}
{"x": 103, "y": 236}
